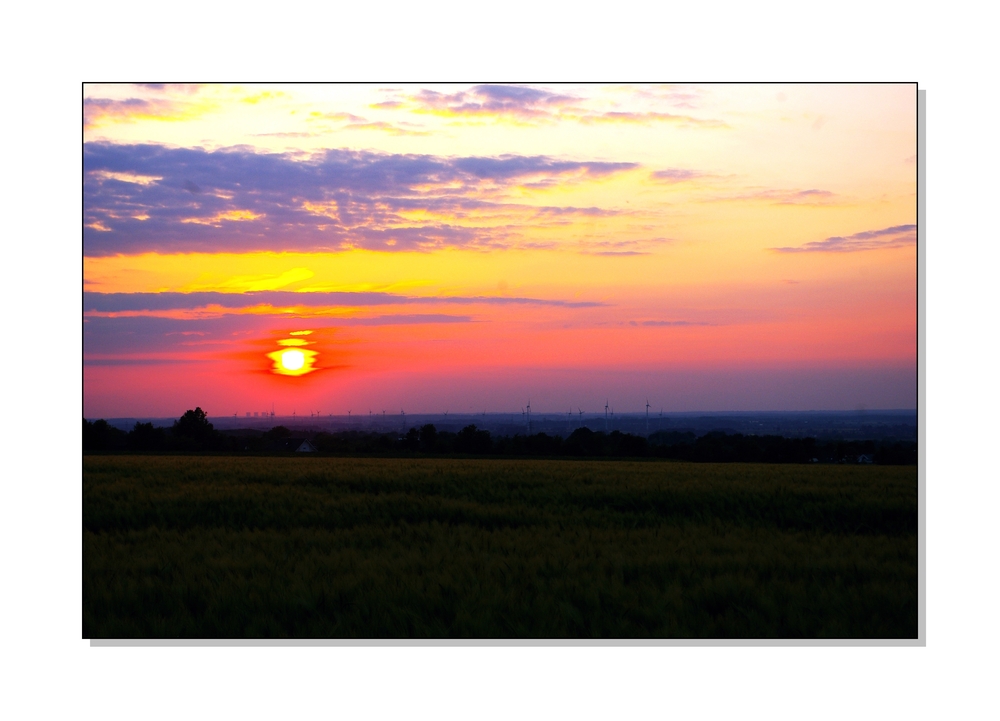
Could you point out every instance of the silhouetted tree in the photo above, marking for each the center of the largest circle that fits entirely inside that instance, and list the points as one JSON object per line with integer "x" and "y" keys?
{"x": 144, "y": 437}
{"x": 542, "y": 444}
{"x": 102, "y": 436}
{"x": 277, "y": 433}
{"x": 428, "y": 438}
{"x": 471, "y": 440}
{"x": 194, "y": 432}
{"x": 583, "y": 442}
{"x": 193, "y": 424}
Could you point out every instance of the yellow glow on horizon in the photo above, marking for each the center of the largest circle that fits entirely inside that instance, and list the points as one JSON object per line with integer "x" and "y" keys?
{"x": 563, "y": 274}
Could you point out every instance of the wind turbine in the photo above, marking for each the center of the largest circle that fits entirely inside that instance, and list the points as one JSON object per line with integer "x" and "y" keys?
{"x": 529, "y": 416}
{"x": 581, "y": 415}
{"x": 605, "y": 416}
{"x": 647, "y": 416}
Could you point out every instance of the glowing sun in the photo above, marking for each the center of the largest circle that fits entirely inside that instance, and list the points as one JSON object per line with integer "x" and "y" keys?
{"x": 292, "y": 360}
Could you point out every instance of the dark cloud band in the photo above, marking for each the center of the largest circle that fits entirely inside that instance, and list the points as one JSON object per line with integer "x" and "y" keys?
{"x": 123, "y": 302}
{"x": 108, "y": 340}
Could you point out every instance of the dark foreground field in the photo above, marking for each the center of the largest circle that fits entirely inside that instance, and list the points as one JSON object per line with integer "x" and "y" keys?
{"x": 219, "y": 547}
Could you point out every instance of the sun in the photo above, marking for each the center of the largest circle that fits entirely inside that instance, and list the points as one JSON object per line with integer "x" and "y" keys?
{"x": 293, "y": 360}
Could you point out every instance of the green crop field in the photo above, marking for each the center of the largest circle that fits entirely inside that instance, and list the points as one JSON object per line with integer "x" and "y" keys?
{"x": 272, "y": 547}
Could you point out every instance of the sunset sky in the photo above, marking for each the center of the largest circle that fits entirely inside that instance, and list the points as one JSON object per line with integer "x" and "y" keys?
{"x": 467, "y": 247}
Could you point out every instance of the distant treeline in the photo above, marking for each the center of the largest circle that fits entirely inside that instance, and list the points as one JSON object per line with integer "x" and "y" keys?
{"x": 193, "y": 432}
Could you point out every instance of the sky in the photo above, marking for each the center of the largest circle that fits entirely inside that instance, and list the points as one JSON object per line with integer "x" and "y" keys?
{"x": 468, "y": 248}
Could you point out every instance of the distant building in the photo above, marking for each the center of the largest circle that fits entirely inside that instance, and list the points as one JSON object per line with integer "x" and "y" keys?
{"x": 865, "y": 458}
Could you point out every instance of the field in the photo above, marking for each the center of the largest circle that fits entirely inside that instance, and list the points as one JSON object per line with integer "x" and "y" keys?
{"x": 271, "y": 547}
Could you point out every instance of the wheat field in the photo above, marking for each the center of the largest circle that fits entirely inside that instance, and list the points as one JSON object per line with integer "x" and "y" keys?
{"x": 280, "y": 547}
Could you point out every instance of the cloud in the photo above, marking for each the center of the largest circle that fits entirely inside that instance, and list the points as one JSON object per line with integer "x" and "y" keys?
{"x": 146, "y": 302}
{"x": 679, "y": 96}
{"x": 285, "y": 135}
{"x": 102, "y": 111}
{"x": 147, "y": 341}
{"x": 414, "y": 319}
{"x": 616, "y": 252}
{"x": 808, "y": 194}
{"x": 171, "y": 88}
{"x": 675, "y": 175}
{"x": 178, "y": 102}
{"x": 141, "y": 327}
{"x": 643, "y": 246}
{"x": 349, "y": 121}
{"x": 898, "y": 236}
{"x": 511, "y": 101}
{"x": 646, "y": 118}
{"x": 812, "y": 196}
{"x": 193, "y": 200}
{"x": 527, "y": 104}
{"x": 385, "y": 127}
{"x": 141, "y": 336}
{"x": 139, "y": 361}
{"x": 668, "y": 322}
{"x": 517, "y": 167}
{"x": 144, "y": 339}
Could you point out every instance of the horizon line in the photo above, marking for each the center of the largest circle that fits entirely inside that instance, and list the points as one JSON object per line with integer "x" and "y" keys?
{"x": 475, "y": 414}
